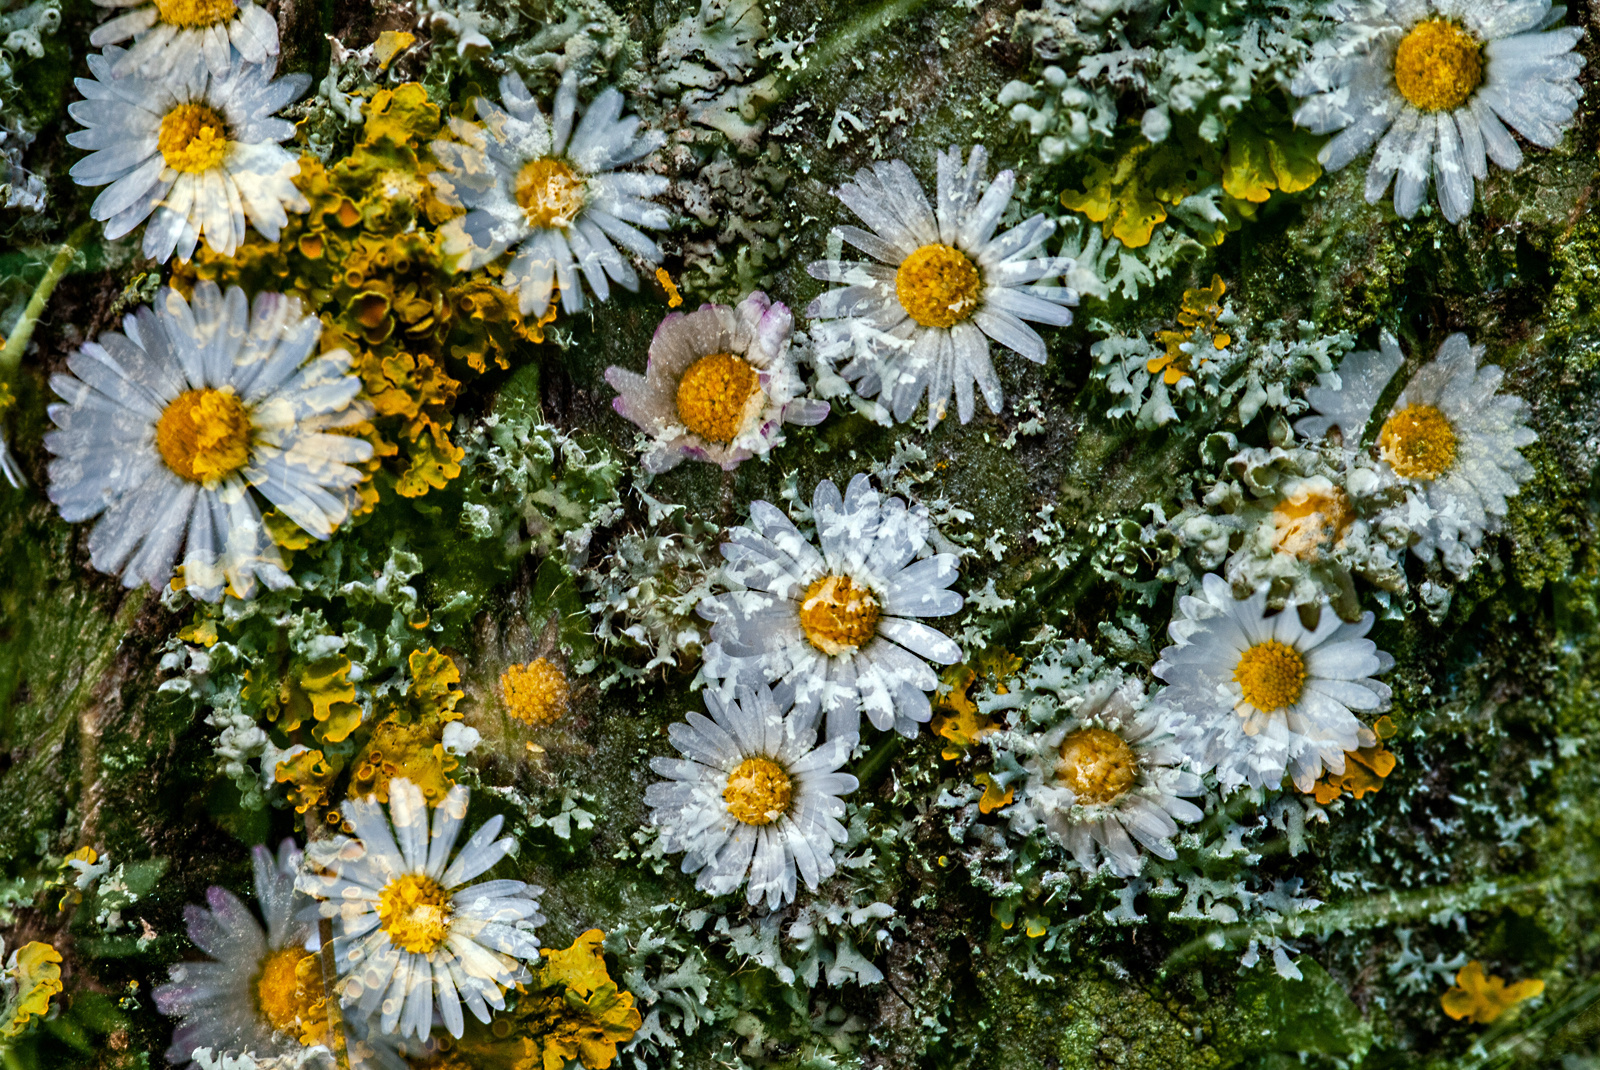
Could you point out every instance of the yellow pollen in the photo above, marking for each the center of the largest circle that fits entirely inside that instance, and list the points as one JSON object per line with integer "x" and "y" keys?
{"x": 1308, "y": 521}
{"x": 536, "y": 693}
{"x": 284, "y": 1003}
{"x": 1438, "y": 65}
{"x": 1418, "y": 442}
{"x": 718, "y": 395}
{"x": 193, "y": 138}
{"x": 758, "y": 792}
{"x": 938, "y": 286}
{"x": 204, "y": 435}
{"x": 415, "y": 911}
{"x": 1272, "y": 675}
{"x": 838, "y": 616}
{"x": 1097, "y": 765}
{"x": 550, "y": 192}
{"x": 195, "y": 13}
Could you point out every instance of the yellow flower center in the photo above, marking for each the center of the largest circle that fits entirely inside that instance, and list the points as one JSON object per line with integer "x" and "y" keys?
{"x": 193, "y": 138}
{"x": 758, "y": 792}
{"x": 287, "y": 1002}
{"x": 938, "y": 286}
{"x": 536, "y": 693}
{"x": 1098, "y": 765}
{"x": 1271, "y": 675}
{"x": 1438, "y": 65}
{"x": 717, "y": 395}
{"x": 1308, "y": 521}
{"x": 204, "y": 435}
{"x": 838, "y": 615}
{"x": 194, "y": 13}
{"x": 550, "y": 192}
{"x": 415, "y": 911}
{"x": 1418, "y": 442}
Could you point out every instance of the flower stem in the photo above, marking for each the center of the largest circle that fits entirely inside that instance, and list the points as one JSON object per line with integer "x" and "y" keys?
{"x": 11, "y": 352}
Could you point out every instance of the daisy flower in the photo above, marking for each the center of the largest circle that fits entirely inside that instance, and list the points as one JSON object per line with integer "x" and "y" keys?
{"x": 169, "y": 34}
{"x": 413, "y": 935}
{"x": 261, "y": 989}
{"x": 836, "y": 623}
{"x": 1451, "y": 440}
{"x": 754, "y": 799}
{"x": 550, "y": 194}
{"x": 916, "y": 323}
{"x": 194, "y": 152}
{"x": 1260, "y": 695}
{"x": 1438, "y": 81}
{"x": 719, "y": 385}
{"x": 1107, "y": 778}
{"x": 164, "y": 428}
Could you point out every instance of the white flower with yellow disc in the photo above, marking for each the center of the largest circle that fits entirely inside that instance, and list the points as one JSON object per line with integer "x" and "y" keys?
{"x": 1450, "y": 439}
{"x": 549, "y": 191}
{"x": 261, "y": 989}
{"x": 1434, "y": 84}
{"x": 195, "y": 153}
{"x": 1100, "y": 770}
{"x": 413, "y": 934}
{"x": 1257, "y": 696}
{"x": 918, "y": 322}
{"x": 754, "y": 800}
{"x": 837, "y": 623}
{"x": 165, "y": 427}
{"x": 718, "y": 386}
{"x": 169, "y": 34}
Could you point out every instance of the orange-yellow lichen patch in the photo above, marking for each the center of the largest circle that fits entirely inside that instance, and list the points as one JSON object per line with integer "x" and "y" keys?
{"x": 576, "y": 1014}
{"x": 994, "y": 797}
{"x": 1198, "y": 315}
{"x": 536, "y": 693}
{"x": 1483, "y": 998}
{"x": 1309, "y": 521}
{"x": 938, "y": 286}
{"x": 1364, "y": 769}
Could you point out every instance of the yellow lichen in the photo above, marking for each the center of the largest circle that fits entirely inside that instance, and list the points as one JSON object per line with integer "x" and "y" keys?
{"x": 412, "y": 751}
{"x": 938, "y": 286}
{"x": 193, "y": 138}
{"x": 758, "y": 792}
{"x": 674, "y": 298}
{"x": 1483, "y": 998}
{"x": 718, "y": 395}
{"x": 415, "y": 911}
{"x": 536, "y": 693}
{"x": 958, "y": 719}
{"x": 1364, "y": 769}
{"x": 1186, "y": 349}
{"x": 33, "y": 975}
{"x": 1309, "y": 521}
{"x": 1271, "y": 675}
{"x": 838, "y": 615}
{"x": 576, "y": 1012}
{"x": 1438, "y": 65}
{"x": 994, "y": 797}
{"x": 204, "y": 435}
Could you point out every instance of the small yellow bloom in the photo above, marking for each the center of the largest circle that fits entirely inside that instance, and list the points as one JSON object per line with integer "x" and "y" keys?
{"x": 1484, "y": 997}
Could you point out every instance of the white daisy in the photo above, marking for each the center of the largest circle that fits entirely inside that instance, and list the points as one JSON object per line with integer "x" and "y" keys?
{"x": 1450, "y": 439}
{"x": 915, "y": 324}
{"x": 194, "y": 152}
{"x": 165, "y": 428}
{"x": 550, "y": 193}
{"x": 169, "y": 34}
{"x": 1259, "y": 695}
{"x": 836, "y": 624}
{"x": 255, "y": 992}
{"x": 719, "y": 385}
{"x": 754, "y": 798}
{"x": 1438, "y": 81}
{"x": 1103, "y": 771}
{"x": 413, "y": 934}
